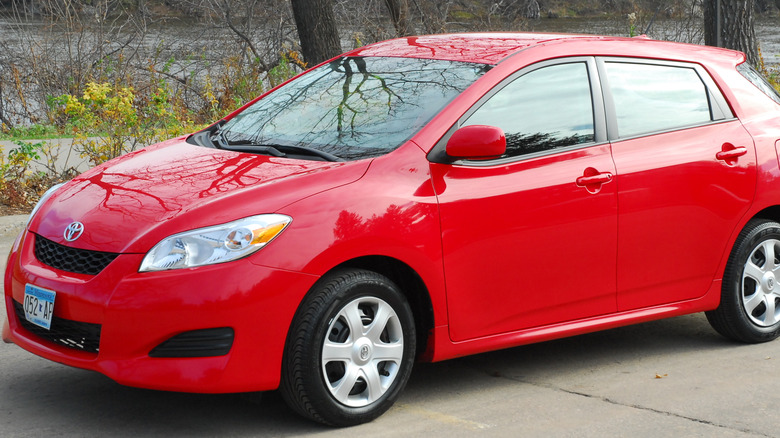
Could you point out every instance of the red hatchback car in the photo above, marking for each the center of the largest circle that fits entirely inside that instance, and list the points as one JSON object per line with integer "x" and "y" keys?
{"x": 421, "y": 198}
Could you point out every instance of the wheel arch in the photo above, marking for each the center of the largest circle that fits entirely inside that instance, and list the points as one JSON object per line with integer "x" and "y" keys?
{"x": 771, "y": 212}
{"x": 410, "y": 283}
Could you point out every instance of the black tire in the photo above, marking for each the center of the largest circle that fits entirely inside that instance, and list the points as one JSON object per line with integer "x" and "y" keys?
{"x": 749, "y": 309}
{"x": 310, "y": 382}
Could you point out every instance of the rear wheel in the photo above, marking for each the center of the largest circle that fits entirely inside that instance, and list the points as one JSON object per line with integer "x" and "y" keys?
{"x": 749, "y": 310}
{"x": 350, "y": 349}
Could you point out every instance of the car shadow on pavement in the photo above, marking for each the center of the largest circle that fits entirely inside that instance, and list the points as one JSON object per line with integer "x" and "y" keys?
{"x": 41, "y": 396}
{"x": 55, "y": 398}
{"x": 643, "y": 350}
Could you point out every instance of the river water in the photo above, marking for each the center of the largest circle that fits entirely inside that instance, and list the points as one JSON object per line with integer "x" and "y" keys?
{"x": 191, "y": 35}
{"x": 193, "y": 48}
{"x": 767, "y": 31}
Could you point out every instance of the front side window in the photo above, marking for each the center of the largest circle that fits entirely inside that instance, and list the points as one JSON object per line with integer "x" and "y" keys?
{"x": 352, "y": 108}
{"x": 652, "y": 98}
{"x": 545, "y": 109}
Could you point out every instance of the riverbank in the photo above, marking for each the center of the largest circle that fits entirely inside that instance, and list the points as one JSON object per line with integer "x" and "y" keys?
{"x": 183, "y": 89}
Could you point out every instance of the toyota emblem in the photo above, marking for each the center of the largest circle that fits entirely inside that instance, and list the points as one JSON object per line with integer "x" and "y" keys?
{"x": 73, "y": 231}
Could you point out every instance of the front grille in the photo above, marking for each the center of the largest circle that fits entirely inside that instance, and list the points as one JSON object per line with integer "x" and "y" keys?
{"x": 65, "y": 258}
{"x": 83, "y": 336}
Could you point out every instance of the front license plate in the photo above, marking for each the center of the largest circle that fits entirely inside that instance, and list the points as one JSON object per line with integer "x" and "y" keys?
{"x": 39, "y": 305}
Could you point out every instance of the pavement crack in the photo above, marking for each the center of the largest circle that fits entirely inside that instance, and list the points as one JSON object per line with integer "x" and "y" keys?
{"x": 635, "y": 406}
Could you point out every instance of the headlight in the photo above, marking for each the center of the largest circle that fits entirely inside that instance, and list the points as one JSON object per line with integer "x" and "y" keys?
{"x": 41, "y": 201}
{"x": 217, "y": 244}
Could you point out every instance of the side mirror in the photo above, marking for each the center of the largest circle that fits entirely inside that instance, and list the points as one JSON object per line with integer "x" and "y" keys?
{"x": 478, "y": 142}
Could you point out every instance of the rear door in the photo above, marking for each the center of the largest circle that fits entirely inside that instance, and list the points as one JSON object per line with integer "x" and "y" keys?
{"x": 686, "y": 175}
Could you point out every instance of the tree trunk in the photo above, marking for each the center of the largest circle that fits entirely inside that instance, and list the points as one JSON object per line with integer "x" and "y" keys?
{"x": 399, "y": 13}
{"x": 736, "y": 27}
{"x": 316, "y": 30}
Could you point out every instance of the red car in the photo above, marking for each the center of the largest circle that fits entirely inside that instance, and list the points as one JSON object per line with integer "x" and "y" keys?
{"x": 421, "y": 198}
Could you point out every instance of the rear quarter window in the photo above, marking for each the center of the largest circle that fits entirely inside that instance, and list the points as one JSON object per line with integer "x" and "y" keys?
{"x": 759, "y": 81}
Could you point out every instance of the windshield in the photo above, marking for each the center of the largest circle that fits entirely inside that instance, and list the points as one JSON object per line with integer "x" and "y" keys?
{"x": 353, "y": 108}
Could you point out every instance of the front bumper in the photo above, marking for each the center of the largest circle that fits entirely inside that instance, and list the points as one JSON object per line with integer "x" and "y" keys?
{"x": 137, "y": 312}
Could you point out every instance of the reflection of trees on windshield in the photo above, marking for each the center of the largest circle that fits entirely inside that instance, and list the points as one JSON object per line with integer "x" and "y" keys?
{"x": 354, "y": 107}
{"x": 347, "y": 110}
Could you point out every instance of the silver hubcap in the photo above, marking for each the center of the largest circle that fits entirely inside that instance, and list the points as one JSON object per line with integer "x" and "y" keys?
{"x": 362, "y": 352}
{"x": 760, "y": 297}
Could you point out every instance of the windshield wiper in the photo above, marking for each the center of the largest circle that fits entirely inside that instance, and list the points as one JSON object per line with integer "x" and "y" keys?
{"x": 305, "y": 150}
{"x": 254, "y": 148}
{"x": 276, "y": 150}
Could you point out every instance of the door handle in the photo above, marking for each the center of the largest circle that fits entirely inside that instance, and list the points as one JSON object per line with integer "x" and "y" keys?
{"x": 731, "y": 154}
{"x": 600, "y": 178}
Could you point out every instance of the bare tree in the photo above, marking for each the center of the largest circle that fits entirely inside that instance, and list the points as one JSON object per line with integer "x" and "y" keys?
{"x": 732, "y": 26}
{"x": 433, "y": 14}
{"x": 399, "y": 14}
{"x": 316, "y": 29}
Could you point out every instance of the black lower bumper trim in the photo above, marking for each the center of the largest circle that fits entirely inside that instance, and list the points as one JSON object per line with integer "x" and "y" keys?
{"x": 197, "y": 343}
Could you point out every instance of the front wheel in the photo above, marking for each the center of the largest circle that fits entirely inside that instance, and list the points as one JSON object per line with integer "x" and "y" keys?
{"x": 350, "y": 349}
{"x": 749, "y": 310}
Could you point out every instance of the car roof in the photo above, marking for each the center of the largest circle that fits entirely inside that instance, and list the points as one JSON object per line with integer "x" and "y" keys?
{"x": 491, "y": 48}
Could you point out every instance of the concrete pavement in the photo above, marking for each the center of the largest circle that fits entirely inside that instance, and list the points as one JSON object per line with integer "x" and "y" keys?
{"x": 674, "y": 377}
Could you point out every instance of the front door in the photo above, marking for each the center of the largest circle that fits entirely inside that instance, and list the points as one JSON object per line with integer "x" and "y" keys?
{"x": 529, "y": 239}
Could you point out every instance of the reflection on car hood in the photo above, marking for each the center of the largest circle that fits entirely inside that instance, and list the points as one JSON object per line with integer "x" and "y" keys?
{"x": 131, "y": 203}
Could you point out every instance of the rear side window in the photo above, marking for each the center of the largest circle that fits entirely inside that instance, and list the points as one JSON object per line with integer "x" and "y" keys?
{"x": 543, "y": 110}
{"x": 651, "y": 98}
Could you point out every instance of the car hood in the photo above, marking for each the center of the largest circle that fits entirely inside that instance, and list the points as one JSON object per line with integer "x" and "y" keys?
{"x": 129, "y": 204}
